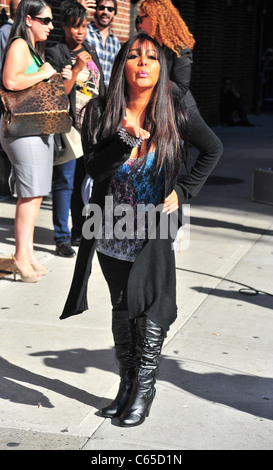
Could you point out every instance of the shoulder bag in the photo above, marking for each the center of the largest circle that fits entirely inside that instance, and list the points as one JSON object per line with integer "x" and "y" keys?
{"x": 67, "y": 146}
{"x": 38, "y": 110}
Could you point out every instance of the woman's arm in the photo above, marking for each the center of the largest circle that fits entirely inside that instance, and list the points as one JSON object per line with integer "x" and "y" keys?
{"x": 103, "y": 159}
{"x": 81, "y": 60}
{"x": 88, "y": 3}
{"x": 179, "y": 69}
{"x": 210, "y": 148}
{"x": 58, "y": 57}
{"x": 17, "y": 60}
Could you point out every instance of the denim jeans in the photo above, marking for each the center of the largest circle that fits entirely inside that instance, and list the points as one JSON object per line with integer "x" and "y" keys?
{"x": 62, "y": 187}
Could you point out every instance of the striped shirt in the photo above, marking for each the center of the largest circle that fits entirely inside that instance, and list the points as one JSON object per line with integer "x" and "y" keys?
{"x": 105, "y": 53}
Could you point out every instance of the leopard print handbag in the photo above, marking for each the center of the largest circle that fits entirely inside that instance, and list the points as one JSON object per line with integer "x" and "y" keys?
{"x": 39, "y": 110}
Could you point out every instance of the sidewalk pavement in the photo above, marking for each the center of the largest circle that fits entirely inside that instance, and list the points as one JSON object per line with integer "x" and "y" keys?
{"x": 215, "y": 382}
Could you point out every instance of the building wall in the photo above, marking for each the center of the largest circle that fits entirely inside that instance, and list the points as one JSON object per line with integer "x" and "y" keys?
{"x": 231, "y": 37}
{"x": 120, "y": 25}
{"x": 227, "y": 44}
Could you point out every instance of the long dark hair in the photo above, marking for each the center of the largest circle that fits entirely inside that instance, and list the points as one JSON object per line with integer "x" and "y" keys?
{"x": 19, "y": 27}
{"x": 164, "y": 121}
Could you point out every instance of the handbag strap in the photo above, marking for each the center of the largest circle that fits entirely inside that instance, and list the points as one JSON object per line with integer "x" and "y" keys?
{"x": 35, "y": 53}
{"x": 32, "y": 50}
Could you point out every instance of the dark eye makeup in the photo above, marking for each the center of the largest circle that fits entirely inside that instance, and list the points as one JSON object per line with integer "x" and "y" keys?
{"x": 135, "y": 53}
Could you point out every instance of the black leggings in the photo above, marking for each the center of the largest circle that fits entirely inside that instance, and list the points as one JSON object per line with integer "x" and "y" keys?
{"x": 116, "y": 273}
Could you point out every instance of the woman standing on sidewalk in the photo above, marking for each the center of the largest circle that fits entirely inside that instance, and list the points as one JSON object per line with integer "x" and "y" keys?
{"x": 31, "y": 157}
{"x": 132, "y": 150}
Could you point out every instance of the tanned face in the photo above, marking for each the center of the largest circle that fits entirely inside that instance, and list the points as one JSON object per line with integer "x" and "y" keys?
{"x": 142, "y": 67}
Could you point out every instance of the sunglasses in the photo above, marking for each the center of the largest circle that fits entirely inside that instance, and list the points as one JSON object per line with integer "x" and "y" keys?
{"x": 102, "y": 8}
{"x": 139, "y": 18}
{"x": 45, "y": 21}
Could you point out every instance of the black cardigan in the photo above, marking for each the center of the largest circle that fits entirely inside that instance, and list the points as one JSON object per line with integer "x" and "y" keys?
{"x": 179, "y": 70}
{"x": 152, "y": 280}
{"x": 59, "y": 56}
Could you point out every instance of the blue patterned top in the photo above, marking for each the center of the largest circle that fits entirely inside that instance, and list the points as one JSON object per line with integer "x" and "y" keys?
{"x": 132, "y": 190}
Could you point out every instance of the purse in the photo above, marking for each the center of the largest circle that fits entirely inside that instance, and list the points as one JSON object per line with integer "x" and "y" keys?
{"x": 38, "y": 110}
{"x": 67, "y": 146}
{"x": 41, "y": 109}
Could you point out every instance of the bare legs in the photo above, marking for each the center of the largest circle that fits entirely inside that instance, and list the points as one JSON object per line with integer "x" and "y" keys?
{"x": 27, "y": 210}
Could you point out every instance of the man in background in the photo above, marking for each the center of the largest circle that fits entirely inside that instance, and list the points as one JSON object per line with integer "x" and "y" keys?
{"x": 232, "y": 105}
{"x": 100, "y": 35}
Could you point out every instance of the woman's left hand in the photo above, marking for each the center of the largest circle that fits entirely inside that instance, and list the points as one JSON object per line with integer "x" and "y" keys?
{"x": 171, "y": 203}
{"x": 67, "y": 72}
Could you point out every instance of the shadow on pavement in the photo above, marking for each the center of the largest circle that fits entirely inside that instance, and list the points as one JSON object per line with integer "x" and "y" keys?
{"x": 246, "y": 393}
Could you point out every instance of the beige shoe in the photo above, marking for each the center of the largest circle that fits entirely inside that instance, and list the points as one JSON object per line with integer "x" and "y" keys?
{"x": 26, "y": 275}
{"x": 40, "y": 269}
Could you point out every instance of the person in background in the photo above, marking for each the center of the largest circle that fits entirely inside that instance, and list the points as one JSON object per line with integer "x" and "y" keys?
{"x": 132, "y": 143}
{"x": 6, "y": 28}
{"x": 4, "y": 35}
{"x": 232, "y": 104}
{"x": 101, "y": 36}
{"x": 31, "y": 157}
{"x": 86, "y": 82}
{"x": 160, "y": 19}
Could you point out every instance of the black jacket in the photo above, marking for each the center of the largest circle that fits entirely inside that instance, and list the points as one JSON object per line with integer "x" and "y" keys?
{"x": 179, "y": 70}
{"x": 59, "y": 56}
{"x": 152, "y": 280}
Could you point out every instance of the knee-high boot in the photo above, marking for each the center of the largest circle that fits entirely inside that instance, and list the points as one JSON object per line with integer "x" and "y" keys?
{"x": 149, "y": 342}
{"x": 123, "y": 333}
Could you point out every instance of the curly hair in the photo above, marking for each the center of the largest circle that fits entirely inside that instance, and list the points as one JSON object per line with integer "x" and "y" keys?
{"x": 168, "y": 24}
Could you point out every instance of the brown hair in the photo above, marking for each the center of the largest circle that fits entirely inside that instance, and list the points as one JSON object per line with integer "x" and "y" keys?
{"x": 168, "y": 24}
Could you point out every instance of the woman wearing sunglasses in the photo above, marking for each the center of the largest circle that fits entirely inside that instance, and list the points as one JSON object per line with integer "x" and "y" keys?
{"x": 31, "y": 157}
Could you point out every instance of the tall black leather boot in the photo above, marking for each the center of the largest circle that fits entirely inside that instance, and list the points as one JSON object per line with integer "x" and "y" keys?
{"x": 149, "y": 342}
{"x": 123, "y": 333}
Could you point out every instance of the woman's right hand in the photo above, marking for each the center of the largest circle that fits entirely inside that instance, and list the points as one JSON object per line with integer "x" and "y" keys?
{"x": 88, "y": 3}
{"x": 81, "y": 60}
{"x": 134, "y": 130}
